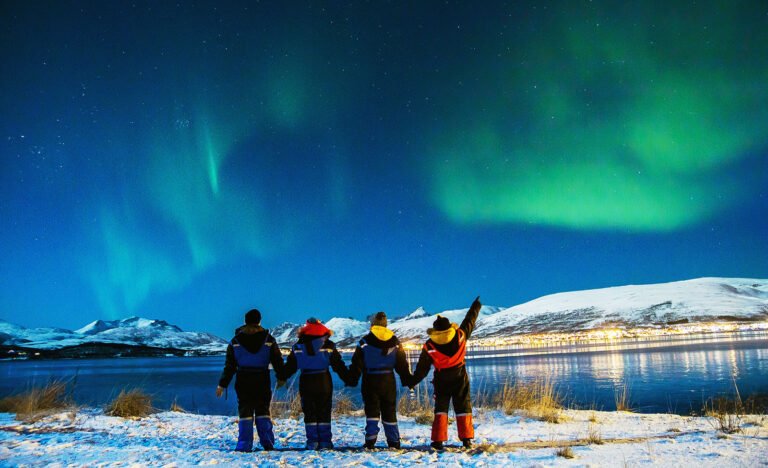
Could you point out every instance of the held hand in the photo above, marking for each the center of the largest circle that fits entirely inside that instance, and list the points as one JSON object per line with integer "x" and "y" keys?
{"x": 219, "y": 391}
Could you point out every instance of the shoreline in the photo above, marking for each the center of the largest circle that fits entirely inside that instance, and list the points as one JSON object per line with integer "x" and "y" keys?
{"x": 534, "y": 344}
{"x": 87, "y": 436}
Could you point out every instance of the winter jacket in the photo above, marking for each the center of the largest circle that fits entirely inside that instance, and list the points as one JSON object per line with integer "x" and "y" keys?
{"x": 379, "y": 352}
{"x": 307, "y": 343}
{"x": 253, "y": 339}
{"x": 448, "y": 343}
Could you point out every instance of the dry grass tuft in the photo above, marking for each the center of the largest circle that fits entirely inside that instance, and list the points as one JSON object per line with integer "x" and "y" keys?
{"x": 565, "y": 452}
{"x": 417, "y": 405}
{"x": 132, "y": 403}
{"x": 37, "y": 400}
{"x": 621, "y": 395}
{"x": 176, "y": 408}
{"x": 290, "y": 407}
{"x": 343, "y": 405}
{"x": 490, "y": 448}
{"x": 727, "y": 415}
{"x": 593, "y": 417}
{"x": 537, "y": 399}
{"x": 594, "y": 436}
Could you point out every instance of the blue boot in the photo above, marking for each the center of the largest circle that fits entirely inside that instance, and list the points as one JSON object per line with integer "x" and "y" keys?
{"x": 264, "y": 429}
{"x": 371, "y": 432}
{"x": 393, "y": 434}
{"x": 245, "y": 436}
{"x": 324, "y": 436}
{"x": 312, "y": 438}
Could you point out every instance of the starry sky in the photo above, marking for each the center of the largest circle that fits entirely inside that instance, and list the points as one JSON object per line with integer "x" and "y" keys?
{"x": 188, "y": 161}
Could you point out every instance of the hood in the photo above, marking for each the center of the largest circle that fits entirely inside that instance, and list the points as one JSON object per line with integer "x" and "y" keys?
{"x": 444, "y": 336}
{"x": 382, "y": 333}
{"x": 314, "y": 330}
{"x": 249, "y": 329}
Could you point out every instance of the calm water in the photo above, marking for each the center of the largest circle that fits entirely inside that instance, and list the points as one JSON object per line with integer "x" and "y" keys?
{"x": 670, "y": 374}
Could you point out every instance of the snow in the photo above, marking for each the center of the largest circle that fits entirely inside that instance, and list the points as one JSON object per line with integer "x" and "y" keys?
{"x": 88, "y": 437}
{"x": 131, "y": 331}
{"x": 347, "y": 329}
{"x": 653, "y": 305}
{"x": 695, "y": 300}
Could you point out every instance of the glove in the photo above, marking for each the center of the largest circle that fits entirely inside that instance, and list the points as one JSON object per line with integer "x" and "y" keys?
{"x": 280, "y": 383}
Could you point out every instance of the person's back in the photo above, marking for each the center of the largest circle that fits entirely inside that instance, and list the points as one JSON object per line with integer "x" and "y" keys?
{"x": 446, "y": 350}
{"x": 313, "y": 354}
{"x": 249, "y": 355}
{"x": 377, "y": 356}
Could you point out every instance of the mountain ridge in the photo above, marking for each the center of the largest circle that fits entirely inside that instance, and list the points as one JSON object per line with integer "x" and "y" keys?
{"x": 709, "y": 299}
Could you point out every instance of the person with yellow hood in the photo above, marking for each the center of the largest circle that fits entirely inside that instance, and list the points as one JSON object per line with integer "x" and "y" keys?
{"x": 446, "y": 349}
{"x": 377, "y": 357}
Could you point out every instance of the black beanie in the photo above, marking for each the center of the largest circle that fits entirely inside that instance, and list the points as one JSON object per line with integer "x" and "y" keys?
{"x": 380, "y": 319}
{"x": 253, "y": 317}
{"x": 441, "y": 324}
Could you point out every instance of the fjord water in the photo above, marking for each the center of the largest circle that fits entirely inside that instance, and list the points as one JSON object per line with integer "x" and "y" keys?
{"x": 670, "y": 374}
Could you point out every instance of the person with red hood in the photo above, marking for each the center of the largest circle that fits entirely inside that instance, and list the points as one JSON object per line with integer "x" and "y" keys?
{"x": 313, "y": 354}
{"x": 446, "y": 350}
{"x": 249, "y": 355}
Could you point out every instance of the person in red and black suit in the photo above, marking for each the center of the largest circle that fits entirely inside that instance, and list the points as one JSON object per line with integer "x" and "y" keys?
{"x": 446, "y": 350}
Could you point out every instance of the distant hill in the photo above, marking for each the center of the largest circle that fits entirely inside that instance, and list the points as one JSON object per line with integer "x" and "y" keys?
{"x": 635, "y": 306}
{"x": 134, "y": 336}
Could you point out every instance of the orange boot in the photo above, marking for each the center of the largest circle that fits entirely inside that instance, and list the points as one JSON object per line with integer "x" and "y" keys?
{"x": 466, "y": 430}
{"x": 439, "y": 430}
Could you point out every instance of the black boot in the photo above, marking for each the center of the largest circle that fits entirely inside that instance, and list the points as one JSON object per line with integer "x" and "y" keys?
{"x": 370, "y": 444}
{"x": 437, "y": 446}
{"x": 467, "y": 443}
{"x": 395, "y": 444}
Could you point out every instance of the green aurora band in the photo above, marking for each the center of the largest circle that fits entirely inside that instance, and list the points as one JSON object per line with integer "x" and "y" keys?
{"x": 611, "y": 127}
{"x": 181, "y": 183}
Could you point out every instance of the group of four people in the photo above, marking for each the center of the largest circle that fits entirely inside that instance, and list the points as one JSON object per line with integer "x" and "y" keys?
{"x": 377, "y": 357}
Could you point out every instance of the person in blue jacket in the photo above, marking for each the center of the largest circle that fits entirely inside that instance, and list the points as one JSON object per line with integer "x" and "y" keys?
{"x": 313, "y": 354}
{"x": 249, "y": 355}
{"x": 377, "y": 357}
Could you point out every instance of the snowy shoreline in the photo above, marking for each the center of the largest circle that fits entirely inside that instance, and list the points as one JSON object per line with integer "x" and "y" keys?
{"x": 87, "y": 436}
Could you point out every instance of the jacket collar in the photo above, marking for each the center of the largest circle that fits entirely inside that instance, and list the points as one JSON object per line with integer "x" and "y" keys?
{"x": 443, "y": 336}
{"x": 382, "y": 333}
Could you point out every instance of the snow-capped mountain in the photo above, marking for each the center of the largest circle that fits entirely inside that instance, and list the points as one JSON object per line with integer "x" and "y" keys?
{"x": 652, "y": 305}
{"x": 697, "y": 300}
{"x": 133, "y": 331}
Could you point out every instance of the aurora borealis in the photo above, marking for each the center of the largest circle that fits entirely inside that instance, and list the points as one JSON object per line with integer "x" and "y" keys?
{"x": 191, "y": 161}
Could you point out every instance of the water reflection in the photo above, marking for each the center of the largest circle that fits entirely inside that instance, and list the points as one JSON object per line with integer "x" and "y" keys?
{"x": 663, "y": 374}
{"x": 673, "y": 375}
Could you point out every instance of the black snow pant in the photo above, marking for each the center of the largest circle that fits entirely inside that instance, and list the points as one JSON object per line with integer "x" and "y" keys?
{"x": 316, "y": 392}
{"x": 452, "y": 385}
{"x": 254, "y": 394}
{"x": 380, "y": 401}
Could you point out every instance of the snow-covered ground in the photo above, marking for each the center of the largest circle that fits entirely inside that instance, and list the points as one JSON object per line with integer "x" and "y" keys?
{"x": 88, "y": 437}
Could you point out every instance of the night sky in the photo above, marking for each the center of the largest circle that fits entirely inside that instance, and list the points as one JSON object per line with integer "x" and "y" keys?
{"x": 190, "y": 161}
